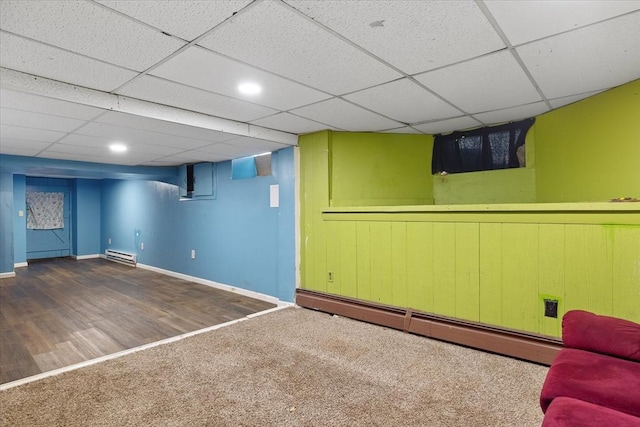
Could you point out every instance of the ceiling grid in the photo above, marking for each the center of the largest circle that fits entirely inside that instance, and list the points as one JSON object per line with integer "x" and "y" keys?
{"x": 163, "y": 76}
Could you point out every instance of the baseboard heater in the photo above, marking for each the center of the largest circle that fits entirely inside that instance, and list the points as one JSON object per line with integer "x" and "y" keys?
{"x": 521, "y": 345}
{"x": 121, "y": 257}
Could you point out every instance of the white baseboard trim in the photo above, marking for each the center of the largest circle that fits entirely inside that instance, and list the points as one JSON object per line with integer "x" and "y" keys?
{"x": 20, "y": 264}
{"x": 86, "y": 256}
{"x": 221, "y": 286}
{"x": 7, "y": 275}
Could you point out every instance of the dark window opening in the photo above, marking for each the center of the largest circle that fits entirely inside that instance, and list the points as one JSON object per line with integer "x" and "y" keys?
{"x": 487, "y": 148}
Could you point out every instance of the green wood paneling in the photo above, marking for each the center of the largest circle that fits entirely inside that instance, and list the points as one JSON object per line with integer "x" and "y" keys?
{"x": 399, "y": 263}
{"x": 625, "y": 271}
{"x": 348, "y": 276}
{"x": 520, "y": 276}
{"x": 551, "y": 269}
{"x": 444, "y": 268}
{"x": 467, "y": 277}
{"x": 363, "y": 261}
{"x": 314, "y": 197}
{"x": 588, "y": 269}
{"x": 332, "y": 271}
{"x": 420, "y": 286}
{"x": 490, "y": 299}
{"x": 381, "y": 273}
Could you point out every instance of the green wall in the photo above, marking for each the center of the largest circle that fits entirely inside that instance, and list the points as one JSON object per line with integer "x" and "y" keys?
{"x": 493, "y": 267}
{"x": 590, "y": 150}
{"x": 369, "y": 169}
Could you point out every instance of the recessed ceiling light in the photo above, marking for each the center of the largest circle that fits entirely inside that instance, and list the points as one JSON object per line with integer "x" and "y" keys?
{"x": 118, "y": 148}
{"x": 249, "y": 88}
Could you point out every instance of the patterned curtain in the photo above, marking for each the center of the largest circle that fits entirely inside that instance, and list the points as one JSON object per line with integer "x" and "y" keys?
{"x": 45, "y": 211}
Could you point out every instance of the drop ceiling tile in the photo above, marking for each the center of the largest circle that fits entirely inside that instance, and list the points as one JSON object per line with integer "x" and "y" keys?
{"x": 189, "y": 157}
{"x": 230, "y": 151}
{"x": 404, "y": 100}
{"x": 18, "y": 151}
{"x": 9, "y": 116}
{"x": 204, "y": 69}
{"x": 414, "y": 36}
{"x": 275, "y": 38}
{"x": 108, "y": 159}
{"x": 165, "y": 92}
{"x": 524, "y": 21}
{"x": 449, "y": 125}
{"x": 39, "y": 59}
{"x": 89, "y": 29}
{"x": 513, "y": 113}
{"x": 343, "y": 115}
{"x": 10, "y": 143}
{"x": 129, "y": 135}
{"x": 289, "y": 123}
{"x": 484, "y": 84}
{"x": 18, "y": 132}
{"x": 161, "y": 126}
{"x": 259, "y": 144}
{"x": 184, "y": 19}
{"x": 566, "y": 100}
{"x": 40, "y": 104}
{"x": 87, "y": 143}
{"x": 405, "y": 130}
{"x": 597, "y": 57}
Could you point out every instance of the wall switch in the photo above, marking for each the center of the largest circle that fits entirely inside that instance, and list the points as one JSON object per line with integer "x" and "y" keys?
{"x": 193, "y": 254}
{"x": 142, "y": 246}
{"x": 20, "y": 213}
{"x": 109, "y": 240}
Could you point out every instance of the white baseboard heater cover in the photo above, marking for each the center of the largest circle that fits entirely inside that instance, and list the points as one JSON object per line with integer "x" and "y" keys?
{"x": 121, "y": 257}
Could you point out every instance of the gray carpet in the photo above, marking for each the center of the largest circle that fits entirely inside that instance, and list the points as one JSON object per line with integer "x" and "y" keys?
{"x": 294, "y": 367}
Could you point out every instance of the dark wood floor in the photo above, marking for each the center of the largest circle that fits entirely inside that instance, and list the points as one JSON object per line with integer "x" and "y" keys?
{"x": 56, "y": 313}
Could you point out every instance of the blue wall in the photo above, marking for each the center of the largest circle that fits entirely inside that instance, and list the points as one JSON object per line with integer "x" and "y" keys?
{"x": 19, "y": 222}
{"x": 238, "y": 238}
{"x": 6, "y": 223}
{"x": 86, "y": 213}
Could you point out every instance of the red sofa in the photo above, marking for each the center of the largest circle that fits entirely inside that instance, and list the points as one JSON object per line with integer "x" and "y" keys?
{"x": 595, "y": 379}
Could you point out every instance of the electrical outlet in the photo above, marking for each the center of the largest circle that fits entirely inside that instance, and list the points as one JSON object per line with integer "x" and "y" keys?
{"x": 193, "y": 254}
{"x": 109, "y": 240}
{"x": 551, "y": 308}
{"x": 142, "y": 246}
{"x": 330, "y": 277}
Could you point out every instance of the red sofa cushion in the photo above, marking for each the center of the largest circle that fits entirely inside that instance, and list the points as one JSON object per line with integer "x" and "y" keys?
{"x": 602, "y": 334}
{"x": 568, "y": 412}
{"x": 592, "y": 377}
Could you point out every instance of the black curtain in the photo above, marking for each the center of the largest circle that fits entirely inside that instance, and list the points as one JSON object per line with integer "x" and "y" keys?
{"x": 480, "y": 149}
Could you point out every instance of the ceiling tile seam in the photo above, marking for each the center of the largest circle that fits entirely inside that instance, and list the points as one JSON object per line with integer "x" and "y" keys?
{"x": 264, "y": 70}
{"x": 494, "y": 23}
{"x": 402, "y": 127}
{"x": 290, "y": 111}
{"x": 343, "y": 39}
{"x": 68, "y": 51}
{"x": 137, "y": 21}
{"x": 561, "y": 33}
{"x": 188, "y": 44}
{"x": 428, "y": 122}
{"x": 201, "y": 90}
{"x": 49, "y": 114}
{"x": 316, "y": 121}
{"x": 94, "y": 121}
{"x": 372, "y": 111}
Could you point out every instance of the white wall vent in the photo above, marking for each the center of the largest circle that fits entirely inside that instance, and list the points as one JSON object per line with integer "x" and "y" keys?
{"x": 121, "y": 257}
